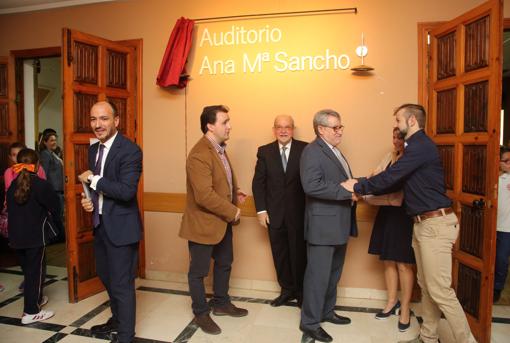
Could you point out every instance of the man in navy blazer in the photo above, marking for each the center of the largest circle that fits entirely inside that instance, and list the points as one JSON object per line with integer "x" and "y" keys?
{"x": 115, "y": 166}
{"x": 330, "y": 218}
{"x": 280, "y": 203}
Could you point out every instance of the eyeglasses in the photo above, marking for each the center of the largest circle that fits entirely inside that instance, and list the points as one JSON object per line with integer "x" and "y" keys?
{"x": 336, "y": 128}
{"x": 284, "y": 127}
{"x": 505, "y": 161}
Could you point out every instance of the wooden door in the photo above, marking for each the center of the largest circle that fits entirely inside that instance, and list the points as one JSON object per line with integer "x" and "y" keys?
{"x": 94, "y": 69}
{"x": 8, "y": 123}
{"x": 464, "y": 113}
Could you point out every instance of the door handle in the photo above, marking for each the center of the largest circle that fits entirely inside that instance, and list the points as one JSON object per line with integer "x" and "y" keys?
{"x": 479, "y": 204}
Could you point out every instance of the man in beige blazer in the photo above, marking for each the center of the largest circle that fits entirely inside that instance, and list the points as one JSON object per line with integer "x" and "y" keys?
{"x": 211, "y": 209}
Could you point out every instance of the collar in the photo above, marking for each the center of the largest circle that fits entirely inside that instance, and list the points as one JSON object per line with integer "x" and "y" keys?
{"x": 330, "y": 146}
{"x": 280, "y": 146}
{"x": 109, "y": 142}
{"x": 219, "y": 148}
{"x": 505, "y": 176}
{"x": 414, "y": 137}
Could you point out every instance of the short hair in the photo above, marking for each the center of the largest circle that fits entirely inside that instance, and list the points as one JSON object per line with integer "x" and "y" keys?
{"x": 321, "y": 118}
{"x": 502, "y": 150}
{"x": 418, "y": 111}
{"x": 208, "y": 115}
{"x": 17, "y": 145}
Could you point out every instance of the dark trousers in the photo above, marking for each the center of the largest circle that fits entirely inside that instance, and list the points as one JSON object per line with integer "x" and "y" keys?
{"x": 116, "y": 267}
{"x": 289, "y": 256}
{"x": 33, "y": 264}
{"x": 200, "y": 259}
{"x": 502, "y": 255}
{"x": 323, "y": 271}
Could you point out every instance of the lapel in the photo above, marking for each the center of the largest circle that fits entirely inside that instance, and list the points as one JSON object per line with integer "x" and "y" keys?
{"x": 292, "y": 163}
{"x": 216, "y": 157}
{"x": 114, "y": 151}
{"x": 92, "y": 155}
{"x": 277, "y": 157}
{"x": 329, "y": 153}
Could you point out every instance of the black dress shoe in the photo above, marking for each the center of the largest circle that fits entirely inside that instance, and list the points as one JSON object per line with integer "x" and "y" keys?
{"x": 282, "y": 299}
{"x": 337, "y": 319}
{"x": 106, "y": 328}
{"x": 385, "y": 315}
{"x": 318, "y": 334}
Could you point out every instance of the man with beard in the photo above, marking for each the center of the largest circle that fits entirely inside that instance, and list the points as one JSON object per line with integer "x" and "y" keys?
{"x": 436, "y": 227}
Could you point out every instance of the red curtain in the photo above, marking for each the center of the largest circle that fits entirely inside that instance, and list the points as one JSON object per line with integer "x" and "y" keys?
{"x": 172, "y": 71}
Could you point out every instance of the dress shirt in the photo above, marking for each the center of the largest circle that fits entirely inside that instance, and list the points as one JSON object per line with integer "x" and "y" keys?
{"x": 220, "y": 149}
{"x": 341, "y": 158}
{"x": 503, "y": 223}
{"x": 95, "y": 179}
{"x": 287, "y": 151}
{"x": 287, "y": 154}
{"x": 419, "y": 171}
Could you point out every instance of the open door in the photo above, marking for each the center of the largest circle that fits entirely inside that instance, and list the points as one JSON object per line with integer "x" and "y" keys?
{"x": 464, "y": 112}
{"x": 8, "y": 123}
{"x": 94, "y": 69}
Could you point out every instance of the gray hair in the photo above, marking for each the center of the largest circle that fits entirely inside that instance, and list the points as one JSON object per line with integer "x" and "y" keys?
{"x": 321, "y": 118}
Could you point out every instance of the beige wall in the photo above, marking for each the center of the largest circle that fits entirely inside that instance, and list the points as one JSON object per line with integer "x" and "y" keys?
{"x": 365, "y": 103}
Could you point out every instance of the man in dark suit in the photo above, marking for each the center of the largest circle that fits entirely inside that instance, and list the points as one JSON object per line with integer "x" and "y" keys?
{"x": 280, "y": 203}
{"x": 329, "y": 220}
{"x": 115, "y": 166}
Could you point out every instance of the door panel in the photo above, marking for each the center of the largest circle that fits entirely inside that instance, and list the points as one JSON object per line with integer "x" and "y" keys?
{"x": 464, "y": 109}
{"x": 8, "y": 124}
{"x": 94, "y": 69}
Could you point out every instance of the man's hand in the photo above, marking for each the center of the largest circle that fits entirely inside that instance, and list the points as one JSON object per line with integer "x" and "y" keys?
{"x": 241, "y": 196}
{"x": 356, "y": 197}
{"x": 87, "y": 204}
{"x": 84, "y": 177}
{"x": 238, "y": 215}
{"x": 349, "y": 184}
{"x": 263, "y": 219}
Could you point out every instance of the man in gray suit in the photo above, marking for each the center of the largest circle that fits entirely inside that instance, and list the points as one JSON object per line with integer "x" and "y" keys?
{"x": 330, "y": 217}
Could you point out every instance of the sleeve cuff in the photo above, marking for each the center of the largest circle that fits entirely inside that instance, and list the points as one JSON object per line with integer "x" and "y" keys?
{"x": 94, "y": 181}
{"x": 259, "y": 212}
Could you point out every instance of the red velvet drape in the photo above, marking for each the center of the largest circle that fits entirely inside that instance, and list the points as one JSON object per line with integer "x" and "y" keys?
{"x": 176, "y": 54}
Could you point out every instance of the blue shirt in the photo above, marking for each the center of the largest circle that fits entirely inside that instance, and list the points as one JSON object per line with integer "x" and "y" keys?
{"x": 419, "y": 171}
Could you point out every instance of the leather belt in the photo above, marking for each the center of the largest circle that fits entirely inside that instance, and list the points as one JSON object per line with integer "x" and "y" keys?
{"x": 432, "y": 214}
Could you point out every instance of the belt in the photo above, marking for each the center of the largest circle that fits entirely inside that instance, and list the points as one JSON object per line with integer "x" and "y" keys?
{"x": 432, "y": 214}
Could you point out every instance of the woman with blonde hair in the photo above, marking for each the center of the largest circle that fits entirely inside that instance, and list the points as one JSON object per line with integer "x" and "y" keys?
{"x": 31, "y": 204}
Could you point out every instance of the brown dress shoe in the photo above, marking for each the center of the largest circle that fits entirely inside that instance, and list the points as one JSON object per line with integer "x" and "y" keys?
{"x": 205, "y": 322}
{"x": 229, "y": 310}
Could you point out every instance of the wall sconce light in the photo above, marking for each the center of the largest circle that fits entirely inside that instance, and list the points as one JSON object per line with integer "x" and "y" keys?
{"x": 362, "y": 51}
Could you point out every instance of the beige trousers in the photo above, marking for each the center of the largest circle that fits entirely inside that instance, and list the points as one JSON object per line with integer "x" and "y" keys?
{"x": 433, "y": 240}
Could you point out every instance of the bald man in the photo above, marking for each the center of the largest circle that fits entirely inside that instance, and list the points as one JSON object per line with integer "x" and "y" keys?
{"x": 280, "y": 204}
{"x": 115, "y": 165}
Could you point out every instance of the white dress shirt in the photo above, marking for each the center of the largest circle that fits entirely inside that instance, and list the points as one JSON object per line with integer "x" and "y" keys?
{"x": 95, "y": 179}
{"x": 503, "y": 223}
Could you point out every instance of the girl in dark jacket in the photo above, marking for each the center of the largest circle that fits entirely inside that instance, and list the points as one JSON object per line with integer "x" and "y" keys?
{"x": 29, "y": 202}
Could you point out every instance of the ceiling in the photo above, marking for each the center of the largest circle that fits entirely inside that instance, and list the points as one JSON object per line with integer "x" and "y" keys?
{"x": 16, "y": 6}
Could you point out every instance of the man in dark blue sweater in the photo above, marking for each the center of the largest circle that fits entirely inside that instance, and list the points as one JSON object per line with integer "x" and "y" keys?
{"x": 420, "y": 173}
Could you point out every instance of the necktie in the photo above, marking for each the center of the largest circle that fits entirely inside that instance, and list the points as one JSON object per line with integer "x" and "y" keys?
{"x": 95, "y": 196}
{"x": 343, "y": 162}
{"x": 284, "y": 158}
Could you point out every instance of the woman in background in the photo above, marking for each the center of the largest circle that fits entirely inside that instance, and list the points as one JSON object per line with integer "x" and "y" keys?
{"x": 53, "y": 166}
{"x": 391, "y": 240}
{"x": 29, "y": 199}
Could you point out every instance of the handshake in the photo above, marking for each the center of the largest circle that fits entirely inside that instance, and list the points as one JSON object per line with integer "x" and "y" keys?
{"x": 349, "y": 185}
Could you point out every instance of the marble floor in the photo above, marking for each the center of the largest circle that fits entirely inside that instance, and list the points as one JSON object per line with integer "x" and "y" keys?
{"x": 164, "y": 315}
